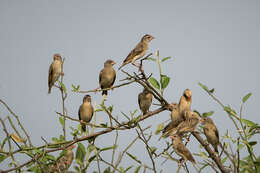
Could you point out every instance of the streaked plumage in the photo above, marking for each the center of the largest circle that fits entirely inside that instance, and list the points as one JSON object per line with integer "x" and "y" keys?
{"x": 181, "y": 149}
{"x": 86, "y": 111}
{"x": 177, "y": 114}
{"x": 211, "y": 132}
{"x": 145, "y": 100}
{"x": 54, "y": 71}
{"x": 107, "y": 76}
{"x": 188, "y": 125}
{"x": 139, "y": 51}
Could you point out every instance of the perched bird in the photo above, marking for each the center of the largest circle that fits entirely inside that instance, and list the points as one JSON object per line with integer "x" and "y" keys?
{"x": 107, "y": 76}
{"x": 211, "y": 132}
{"x": 181, "y": 149}
{"x": 54, "y": 71}
{"x": 63, "y": 163}
{"x": 85, "y": 111}
{"x": 177, "y": 114}
{"x": 139, "y": 51}
{"x": 188, "y": 125}
{"x": 145, "y": 100}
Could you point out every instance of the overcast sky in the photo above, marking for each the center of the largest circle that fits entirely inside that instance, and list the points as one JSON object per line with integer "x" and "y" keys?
{"x": 215, "y": 43}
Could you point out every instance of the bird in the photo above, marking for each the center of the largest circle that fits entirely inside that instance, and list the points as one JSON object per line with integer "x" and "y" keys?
{"x": 189, "y": 124}
{"x": 145, "y": 100}
{"x": 181, "y": 149}
{"x": 211, "y": 132}
{"x": 107, "y": 76}
{"x": 85, "y": 111}
{"x": 139, "y": 51}
{"x": 55, "y": 70}
{"x": 177, "y": 114}
{"x": 63, "y": 163}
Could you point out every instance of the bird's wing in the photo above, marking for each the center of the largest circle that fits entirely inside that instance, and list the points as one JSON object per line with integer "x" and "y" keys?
{"x": 183, "y": 150}
{"x": 216, "y": 133}
{"x": 114, "y": 74}
{"x": 100, "y": 75}
{"x": 50, "y": 74}
{"x": 136, "y": 51}
{"x": 79, "y": 112}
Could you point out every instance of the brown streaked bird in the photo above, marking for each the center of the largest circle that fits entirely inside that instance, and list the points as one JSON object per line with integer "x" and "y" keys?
{"x": 54, "y": 71}
{"x": 189, "y": 125}
{"x": 182, "y": 150}
{"x": 145, "y": 100}
{"x": 64, "y": 162}
{"x": 139, "y": 51}
{"x": 107, "y": 76}
{"x": 177, "y": 114}
{"x": 86, "y": 111}
{"x": 211, "y": 132}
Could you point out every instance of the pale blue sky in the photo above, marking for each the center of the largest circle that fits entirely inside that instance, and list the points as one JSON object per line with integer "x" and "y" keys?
{"x": 216, "y": 43}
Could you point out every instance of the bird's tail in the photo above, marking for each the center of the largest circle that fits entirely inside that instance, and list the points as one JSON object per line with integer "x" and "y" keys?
{"x": 49, "y": 90}
{"x": 104, "y": 92}
{"x": 83, "y": 126}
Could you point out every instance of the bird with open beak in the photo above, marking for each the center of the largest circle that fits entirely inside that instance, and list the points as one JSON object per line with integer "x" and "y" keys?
{"x": 211, "y": 132}
{"x": 55, "y": 70}
{"x": 139, "y": 51}
{"x": 145, "y": 100}
{"x": 85, "y": 112}
{"x": 107, "y": 76}
{"x": 182, "y": 150}
{"x": 177, "y": 114}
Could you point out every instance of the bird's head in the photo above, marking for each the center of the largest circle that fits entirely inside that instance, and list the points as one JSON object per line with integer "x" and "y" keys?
{"x": 109, "y": 63}
{"x": 187, "y": 94}
{"x": 206, "y": 120}
{"x": 175, "y": 136}
{"x": 87, "y": 98}
{"x": 57, "y": 57}
{"x": 147, "y": 38}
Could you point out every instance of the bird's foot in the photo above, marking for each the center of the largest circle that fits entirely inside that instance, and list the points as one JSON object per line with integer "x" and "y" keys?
{"x": 149, "y": 113}
{"x": 95, "y": 90}
{"x": 81, "y": 121}
{"x": 111, "y": 88}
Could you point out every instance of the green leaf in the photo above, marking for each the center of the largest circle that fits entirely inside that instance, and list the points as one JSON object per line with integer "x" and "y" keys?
{"x": 166, "y": 58}
{"x": 203, "y": 86}
{"x": 252, "y": 143}
{"x": 109, "y": 148}
{"x": 130, "y": 167}
{"x": 74, "y": 88}
{"x": 159, "y": 128}
{"x": 137, "y": 169}
{"x": 92, "y": 158}
{"x": 204, "y": 166}
{"x": 63, "y": 87}
{"x": 224, "y": 160}
{"x": 121, "y": 169}
{"x": 248, "y": 122}
{"x": 153, "y": 149}
{"x": 151, "y": 59}
{"x": 2, "y": 157}
{"x": 50, "y": 157}
{"x": 80, "y": 153}
{"x": 154, "y": 83}
{"x": 107, "y": 170}
{"x": 4, "y": 142}
{"x": 246, "y": 97}
{"x": 126, "y": 116}
{"x": 165, "y": 80}
{"x": 61, "y": 121}
{"x": 207, "y": 114}
{"x": 133, "y": 157}
{"x": 91, "y": 148}
{"x": 240, "y": 146}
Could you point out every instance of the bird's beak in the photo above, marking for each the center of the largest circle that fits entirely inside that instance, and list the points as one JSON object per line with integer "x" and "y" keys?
{"x": 201, "y": 120}
{"x": 73, "y": 146}
{"x": 152, "y": 37}
{"x": 172, "y": 137}
{"x": 113, "y": 63}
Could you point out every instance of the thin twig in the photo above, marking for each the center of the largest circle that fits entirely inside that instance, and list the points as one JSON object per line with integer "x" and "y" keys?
{"x": 19, "y": 123}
